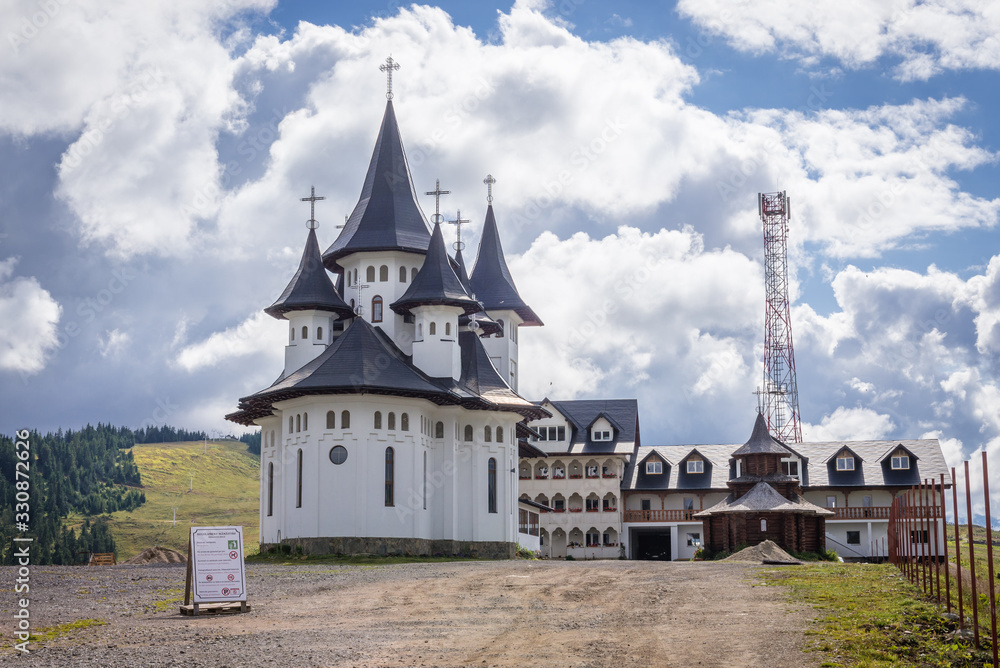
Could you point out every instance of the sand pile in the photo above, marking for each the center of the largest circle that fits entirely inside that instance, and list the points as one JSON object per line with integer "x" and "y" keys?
{"x": 158, "y": 555}
{"x": 766, "y": 551}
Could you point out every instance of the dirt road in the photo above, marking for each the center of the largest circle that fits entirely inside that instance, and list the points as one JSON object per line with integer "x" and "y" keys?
{"x": 581, "y": 614}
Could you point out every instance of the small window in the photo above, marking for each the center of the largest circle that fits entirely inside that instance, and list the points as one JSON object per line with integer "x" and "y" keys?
{"x": 389, "y": 474}
{"x": 593, "y": 539}
{"x": 646, "y": 504}
{"x": 305, "y": 333}
{"x": 487, "y": 434}
{"x": 347, "y": 277}
{"x": 404, "y": 422}
{"x": 353, "y": 306}
{"x": 298, "y": 422}
{"x": 500, "y": 333}
{"x": 378, "y": 420}
{"x": 291, "y": 424}
{"x": 331, "y": 420}
{"x": 845, "y": 463}
{"x": 338, "y": 454}
{"x": 270, "y": 489}
{"x": 376, "y": 308}
{"x": 919, "y": 536}
{"x": 900, "y": 462}
{"x": 688, "y": 504}
{"x": 694, "y": 540}
{"x": 392, "y": 421}
{"x": 319, "y": 333}
{"x": 561, "y": 433}
{"x": 298, "y": 480}
{"x": 654, "y": 468}
{"x": 763, "y": 525}
{"x": 383, "y": 273}
{"x": 602, "y": 435}
{"x": 345, "y": 420}
{"x": 790, "y": 468}
{"x": 432, "y": 328}
{"x": 439, "y": 430}
{"x": 370, "y": 274}
{"x": 292, "y": 330}
{"x": 305, "y": 421}
{"x": 468, "y": 432}
{"x": 355, "y": 275}
{"x": 447, "y": 329}
{"x": 499, "y": 434}
{"x": 695, "y": 466}
{"x": 413, "y": 274}
{"x": 491, "y": 483}
{"x": 402, "y": 274}
{"x": 559, "y": 504}
{"x": 831, "y": 502}
{"x": 593, "y": 505}
{"x": 854, "y": 538}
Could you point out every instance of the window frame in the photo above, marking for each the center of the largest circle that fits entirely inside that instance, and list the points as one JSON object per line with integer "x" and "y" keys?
{"x": 902, "y": 457}
{"x": 390, "y": 474}
{"x": 491, "y": 485}
{"x": 695, "y": 466}
{"x": 848, "y": 463}
{"x": 377, "y": 308}
{"x": 654, "y": 468}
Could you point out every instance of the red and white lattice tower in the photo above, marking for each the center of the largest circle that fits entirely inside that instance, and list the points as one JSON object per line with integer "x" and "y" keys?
{"x": 780, "y": 393}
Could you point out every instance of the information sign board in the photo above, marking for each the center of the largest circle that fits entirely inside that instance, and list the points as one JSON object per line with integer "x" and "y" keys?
{"x": 218, "y": 570}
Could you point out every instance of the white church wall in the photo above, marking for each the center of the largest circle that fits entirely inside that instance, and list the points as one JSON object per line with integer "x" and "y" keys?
{"x": 389, "y": 290}
{"x": 435, "y": 349}
{"x": 317, "y": 327}
{"x": 503, "y": 350}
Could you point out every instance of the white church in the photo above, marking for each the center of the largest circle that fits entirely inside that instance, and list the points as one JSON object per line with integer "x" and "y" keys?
{"x": 393, "y": 427}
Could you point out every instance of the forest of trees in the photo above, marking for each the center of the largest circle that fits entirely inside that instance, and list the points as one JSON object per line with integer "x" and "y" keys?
{"x": 166, "y": 434}
{"x": 253, "y": 442}
{"x": 90, "y": 471}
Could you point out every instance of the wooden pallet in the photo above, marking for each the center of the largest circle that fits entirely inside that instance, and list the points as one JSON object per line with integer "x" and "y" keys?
{"x": 103, "y": 559}
{"x": 215, "y": 608}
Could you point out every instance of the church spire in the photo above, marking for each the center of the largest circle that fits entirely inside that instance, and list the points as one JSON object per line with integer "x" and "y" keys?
{"x": 436, "y": 283}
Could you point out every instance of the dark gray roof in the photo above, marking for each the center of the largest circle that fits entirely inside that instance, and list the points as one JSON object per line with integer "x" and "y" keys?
{"x": 622, "y": 413}
{"x": 485, "y": 322}
{"x": 761, "y": 441}
{"x": 387, "y": 216}
{"x": 764, "y": 498}
{"x": 481, "y": 378}
{"x": 436, "y": 283}
{"x": 310, "y": 287}
{"x": 491, "y": 280}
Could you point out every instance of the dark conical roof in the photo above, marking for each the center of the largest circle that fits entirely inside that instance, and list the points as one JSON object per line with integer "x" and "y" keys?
{"x": 436, "y": 282}
{"x": 485, "y": 322}
{"x": 491, "y": 280}
{"x": 310, "y": 287}
{"x": 387, "y": 216}
{"x": 761, "y": 441}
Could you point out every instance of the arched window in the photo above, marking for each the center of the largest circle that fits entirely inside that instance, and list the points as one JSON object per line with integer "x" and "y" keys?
{"x": 370, "y": 274}
{"x": 392, "y": 421}
{"x": 447, "y": 329}
{"x": 402, "y": 274}
{"x": 378, "y": 419}
{"x": 404, "y": 422}
{"x": 488, "y": 434}
{"x": 298, "y": 480}
{"x": 420, "y": 331}
{"x": 292, "y": 330}
{"x": 347, "y": 277}
{"x": 413, "y": 274}
{"x": 389, "y": 466}
{"x": 319, "y": 333}
{"x": 272, "y": 438}
{"x": 383, "y": 273}
{"x": 353, "y": 307}
{"x": 298, "y": 422}
{"x": 425, "y": 480}
{"x": 355, "y": 276}
{"x": 376, "y": 308}
{"x": 500, "y": 333}
{"x": 305, "y": 333}
{"x": 468, "y": 432}
{"x": 270, "y": 488}
{"x": 331, "y": 420}
{"x": 491, "y": 484}
{"x": 499, "y": 434}
{"x": 305, "y": 421}
{"x": 763, "y": 525}
{"x": 432, "y": 328}
{"x": 345, "y": 420}
{"x": 439, "y": 430}
{"x": 291, "y": 424}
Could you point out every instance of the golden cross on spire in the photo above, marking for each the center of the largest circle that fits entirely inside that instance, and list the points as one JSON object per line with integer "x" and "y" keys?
{"x": 388, "y": 67}
{"x": 437, "y": 192}
{"x": 312, "y": 199}
{"x": 489, "y": 181}
{"x": 458, "y": 222}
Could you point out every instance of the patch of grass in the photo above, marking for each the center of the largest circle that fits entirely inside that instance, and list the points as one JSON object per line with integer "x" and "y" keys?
{"x": 226, "y": 493}
{"x": 173, "y": 597}
{"x": 360, "y": 559}
{"x": 52, "y": 632}
{"x": 871, "y": 616}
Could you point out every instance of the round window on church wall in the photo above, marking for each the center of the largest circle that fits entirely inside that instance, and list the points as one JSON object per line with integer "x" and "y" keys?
{"x": 338, "y": 454}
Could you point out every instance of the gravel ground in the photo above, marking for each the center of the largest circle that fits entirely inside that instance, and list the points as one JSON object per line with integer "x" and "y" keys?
{"x": 541, "y": 613}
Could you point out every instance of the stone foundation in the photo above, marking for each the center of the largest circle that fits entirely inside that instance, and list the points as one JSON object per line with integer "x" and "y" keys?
{"x": 399, "y": 547}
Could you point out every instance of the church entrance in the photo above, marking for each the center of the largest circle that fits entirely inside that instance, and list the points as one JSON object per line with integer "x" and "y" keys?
{"x": 652, "y": 544}
{"x": 558, "y": 548}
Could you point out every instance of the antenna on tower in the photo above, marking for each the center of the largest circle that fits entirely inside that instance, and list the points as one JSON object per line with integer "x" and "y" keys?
{"x": 780, "y": 393}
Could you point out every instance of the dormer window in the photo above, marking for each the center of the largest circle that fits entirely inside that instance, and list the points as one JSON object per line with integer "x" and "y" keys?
{"x": 604, "y": 435}
{"x": 790, "y": 468}
{"x": 654, "y": 468}
{"x": 695, "y": 466}
{"x": 900, "y": 462}
{"x": 845, "y": 462}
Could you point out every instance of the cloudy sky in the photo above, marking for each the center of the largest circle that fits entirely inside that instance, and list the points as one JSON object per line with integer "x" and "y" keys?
{"x": 152, "y": 157}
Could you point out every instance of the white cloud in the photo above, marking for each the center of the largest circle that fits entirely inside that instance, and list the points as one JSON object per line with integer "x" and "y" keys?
{"x": 113, "y": 343}
{"x": 30, "y": 317}
{"x": 260, "y": 334}
{"x": 849, "y": 424}
{"x": 927, "y": 37}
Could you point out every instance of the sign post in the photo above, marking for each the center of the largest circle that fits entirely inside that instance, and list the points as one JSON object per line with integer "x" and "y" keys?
{"x": 216, "y": 576}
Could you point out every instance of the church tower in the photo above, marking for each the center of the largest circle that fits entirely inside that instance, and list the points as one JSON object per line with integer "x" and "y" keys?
{"x": 493, "y": 286}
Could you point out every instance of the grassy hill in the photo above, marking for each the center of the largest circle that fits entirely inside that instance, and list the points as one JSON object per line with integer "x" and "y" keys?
{"x": 225, "y": 493}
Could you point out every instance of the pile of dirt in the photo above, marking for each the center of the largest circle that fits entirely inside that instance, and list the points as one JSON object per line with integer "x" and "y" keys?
{"x": 766, "y": 551}
{"x": 158, "y": 555}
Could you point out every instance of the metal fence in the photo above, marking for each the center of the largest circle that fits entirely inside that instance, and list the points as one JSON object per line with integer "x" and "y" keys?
{"x": 917, "y": 550}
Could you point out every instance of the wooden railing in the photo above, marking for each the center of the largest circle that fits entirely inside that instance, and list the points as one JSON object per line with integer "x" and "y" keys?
{"x": 853, "y": 513}
{"x": 659, "y": 515}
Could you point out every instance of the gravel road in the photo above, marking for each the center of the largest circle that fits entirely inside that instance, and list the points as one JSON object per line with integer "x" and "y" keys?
{"x": 520, "y": 613}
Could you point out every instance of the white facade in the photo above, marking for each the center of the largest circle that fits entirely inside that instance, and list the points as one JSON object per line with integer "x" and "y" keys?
{"x": 383, "y": 277}
{"x": 309, "y": 333}
{"x": 435, "y": 348}
{"x": 503, "y": 349}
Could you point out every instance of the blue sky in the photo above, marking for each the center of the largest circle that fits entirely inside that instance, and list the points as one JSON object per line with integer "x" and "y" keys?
{"x": 152, "y": 157}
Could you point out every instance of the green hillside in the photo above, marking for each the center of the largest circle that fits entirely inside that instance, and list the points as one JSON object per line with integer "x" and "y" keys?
{"x": 225, "y": 493}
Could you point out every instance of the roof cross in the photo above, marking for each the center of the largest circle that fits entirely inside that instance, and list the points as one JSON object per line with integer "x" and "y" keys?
{"x": 312, "y": 199}
{"x": 458, "y": 222}
{"x": 359, "y": 309}
{"x": 388, "y": 67}
{"x": 437, "y": 192}
{"x": 489, "y": 181}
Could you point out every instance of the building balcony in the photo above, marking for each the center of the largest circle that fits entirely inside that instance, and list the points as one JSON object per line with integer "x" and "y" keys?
{"x": 659, "y": 515}
{"x": 882, "y": 513}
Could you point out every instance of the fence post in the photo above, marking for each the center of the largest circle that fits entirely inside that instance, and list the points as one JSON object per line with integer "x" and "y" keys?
{"x": 958, "y": 548}
{"x": 937, "y": 547}
{"x": 944, "y": 541}
{"x": 989, "y": 561}
{"x": 925, "y": 540}
{"x": 972, "y": 556}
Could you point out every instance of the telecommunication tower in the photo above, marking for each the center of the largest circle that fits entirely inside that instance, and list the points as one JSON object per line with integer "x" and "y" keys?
{"x": 780, "y": 394}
